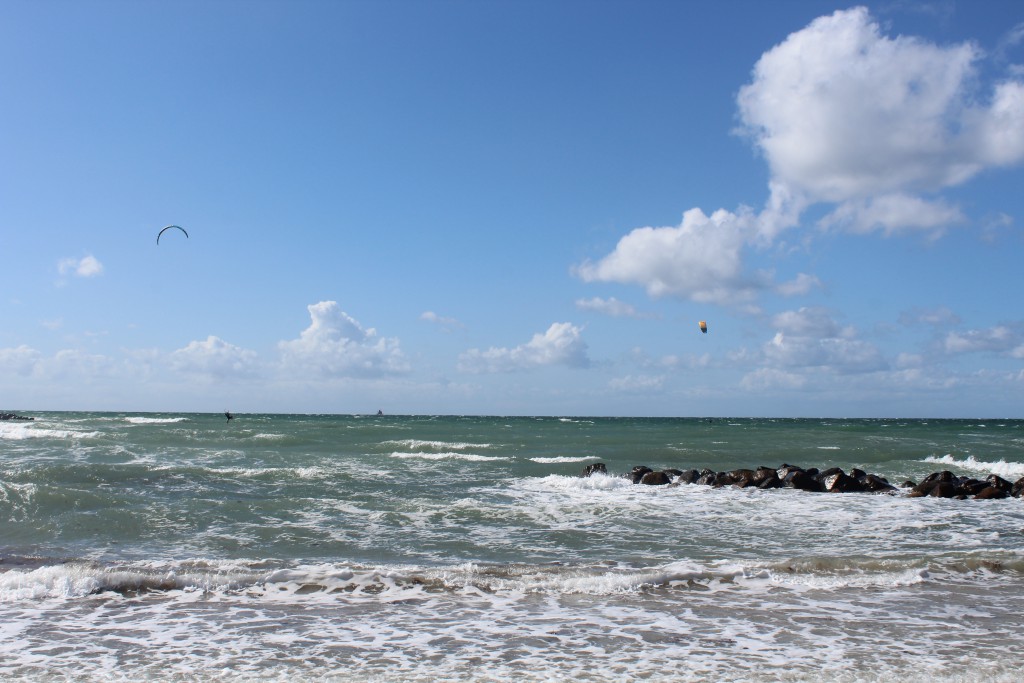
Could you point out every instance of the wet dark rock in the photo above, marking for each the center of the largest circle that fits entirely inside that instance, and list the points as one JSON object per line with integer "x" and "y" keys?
{"x": 972, "y": 487}
{"x": 687, "y": 477}
{"x": 707, "y": 477}
{"x": 999, "y": 483}
{"x": 943, "y": 489}
{"x": 638, "y": 472}
{"x": 1018, "y": 488}
{"x": 742, "y": 478}
{"x": 766, "y": 478}
{"x": 991, "y": 493}
{"x": 655, "y": 479}
{"x": 858, "y": 474}
{"x": 908, "y": 484}
{"x": 944, "y": 475}
{"x": 595, "y": 468}
{"x": 16, "y": 417}
{"x": 875, "y": 483}
{"x": 802, "y": 480}
{"x": 840, "y": 482}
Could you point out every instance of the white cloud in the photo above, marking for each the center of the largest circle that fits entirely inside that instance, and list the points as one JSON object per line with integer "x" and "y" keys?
{"x": 88, "y": 266}
{"x": 612, "y": 307}
{"x": 336, "y": 345}
{"x": 561, "y": 344}
{"x": 807, "y": 322}
{"x": 772, "y": 378}
{"x": 444, "y": 322}
{"x": 20, "y": 360}
{"x": 847, "y": 115}
{"x": 801, "y": 284}
{"x": 935, "y": 316}
{"x": 810, "y": 338}
{"x": 844, "y": 115}
{"x": 637, "y": 383}
{"x": 701, "y": 259}
{"x": 998, "y": 339}
{"x": 215, "y": 358}
{"x": 894, "y": 213}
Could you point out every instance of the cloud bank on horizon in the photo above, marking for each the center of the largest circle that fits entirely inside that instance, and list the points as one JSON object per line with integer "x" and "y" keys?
{"x": 864, "y": 135}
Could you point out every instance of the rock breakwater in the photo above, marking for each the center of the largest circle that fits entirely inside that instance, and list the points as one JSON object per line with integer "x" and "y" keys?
{"x": 942, "y": 484}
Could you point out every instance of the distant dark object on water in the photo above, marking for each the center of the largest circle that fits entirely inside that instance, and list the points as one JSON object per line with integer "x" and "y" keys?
{"x": 12, "y": 416}
{"x": 380, "y": 412}
{"x": 229, "y": 416}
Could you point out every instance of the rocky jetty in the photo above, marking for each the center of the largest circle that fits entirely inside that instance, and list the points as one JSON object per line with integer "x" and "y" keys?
{"x": 943, "y": 484}
{"x": 12, "y": 416}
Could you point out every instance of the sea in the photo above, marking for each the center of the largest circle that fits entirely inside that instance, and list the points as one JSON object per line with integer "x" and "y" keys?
{"x": 186, "y": 547}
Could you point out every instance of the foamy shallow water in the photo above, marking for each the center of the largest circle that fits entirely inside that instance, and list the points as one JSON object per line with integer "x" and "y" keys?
{"x": 679, "y": 622}
{"x": 173, "y": 547}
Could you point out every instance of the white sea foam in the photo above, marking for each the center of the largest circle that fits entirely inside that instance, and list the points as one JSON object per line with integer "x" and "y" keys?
{"x": 154, "y": 420}
{"x": 1008, "y": 470}
{"x": 421, "y": 444}
{"x": 565, "y": 458}
{"x": 597, "y": 481}
{"x": 231, "y": 621}
{"x": 469, "y": 457}
{"x": 17, "y": 431}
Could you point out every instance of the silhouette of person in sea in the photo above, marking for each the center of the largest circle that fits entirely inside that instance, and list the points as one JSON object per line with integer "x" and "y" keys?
{"x": 229, "y": 416}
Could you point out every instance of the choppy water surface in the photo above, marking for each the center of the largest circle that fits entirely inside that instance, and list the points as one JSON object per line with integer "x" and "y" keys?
{"x": 177, "y": 547}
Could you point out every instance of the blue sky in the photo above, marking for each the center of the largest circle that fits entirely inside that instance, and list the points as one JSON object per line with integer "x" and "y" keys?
{"x": 513, "y": 207}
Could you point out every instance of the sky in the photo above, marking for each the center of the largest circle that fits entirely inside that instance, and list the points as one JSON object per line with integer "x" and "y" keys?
{"x": 513, "y": 208}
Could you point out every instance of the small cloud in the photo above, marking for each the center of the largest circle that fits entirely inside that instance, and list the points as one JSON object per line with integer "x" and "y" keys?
{"x": 802, "y": 284}
{"x": 929, "y": 316}
{"x": 446, "y": 323}
{"x": 336, "y": 345}
{"x": 893, "y": 213}
{"x": 998, "y": 339}
{"x": 700, "y": 259}
{"x": 215, "y": 358}
{"x": 21, "y": 360}
{"x": 561, "y": 344}
{"x": 88, "y": 266}
{"x": 612, "y": 307}
{"x": 637, "y": 383}
{"x": 771, "y": 378}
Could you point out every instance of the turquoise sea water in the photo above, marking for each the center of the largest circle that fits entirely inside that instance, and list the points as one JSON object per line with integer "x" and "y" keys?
{"x": 291, "y": 547}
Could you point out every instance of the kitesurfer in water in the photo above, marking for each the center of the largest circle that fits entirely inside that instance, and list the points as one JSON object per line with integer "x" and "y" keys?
{"x": 229, "y": 416}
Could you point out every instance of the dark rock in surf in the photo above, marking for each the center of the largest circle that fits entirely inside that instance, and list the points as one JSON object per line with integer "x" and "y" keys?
{"x": 991, "y": 493}
{"x": 801, "y": 480}
{"x": 1000, "y": 483}
{"x": 839, "y": 482}
{"x": 638, "y": 472}
{"x": 595, "y": 468}
{"x": 1018, "y": 488}
{"x": 943, "y": 489}
{"x": 687, "y": 477}
{"x": 655, "y": 479}
{"x": 706, "y": 477}
{"x": 876, "y": 484}
{"x": 740, "y": 478}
